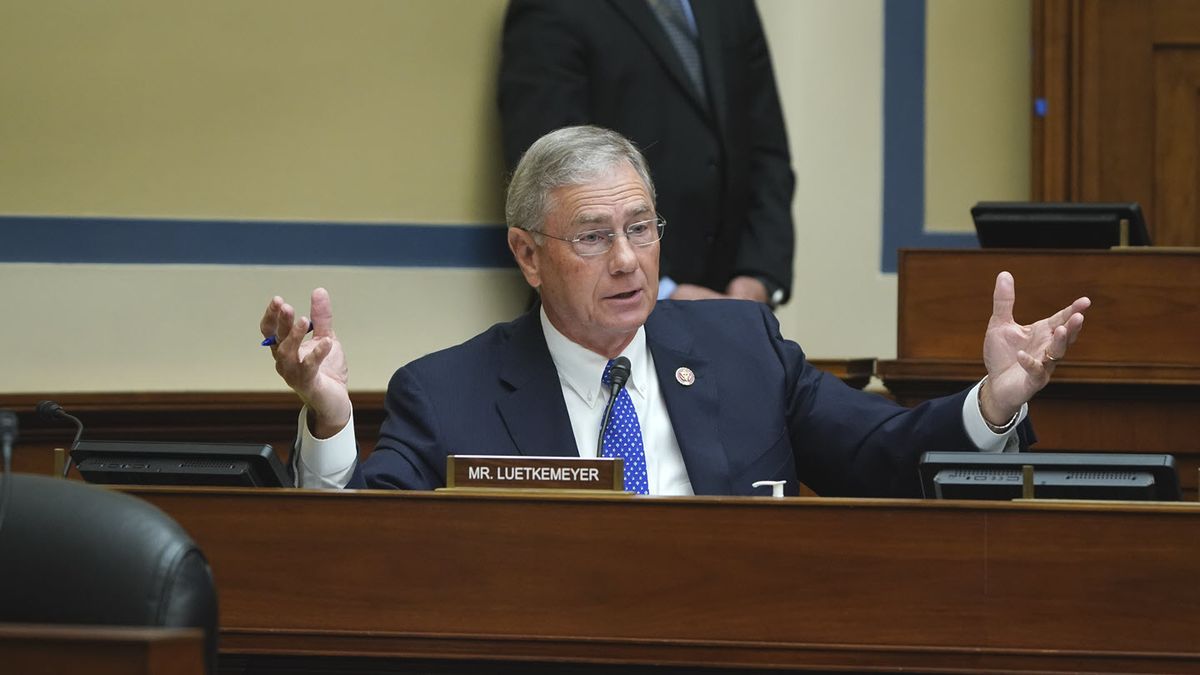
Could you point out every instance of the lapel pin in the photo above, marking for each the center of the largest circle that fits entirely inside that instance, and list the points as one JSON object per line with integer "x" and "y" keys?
{"x": 685, "y": 376}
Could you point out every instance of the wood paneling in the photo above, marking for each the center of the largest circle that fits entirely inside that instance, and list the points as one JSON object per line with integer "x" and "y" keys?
{"x": 1130, "y": 384}
{"x": 1052, "y": 133}
{"x": 854, "y": 372}
{"x": 1177, "y": 144}
{"x": 1146, "y": 302}
{"x": 35, "y": 649}
{"x": 1120, "y": 80}
{"x": 253, "y": 417}
{"x": 704, "y": 582}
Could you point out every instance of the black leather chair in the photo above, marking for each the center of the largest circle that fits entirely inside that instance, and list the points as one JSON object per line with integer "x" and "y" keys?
{"x": 73, "y": 553}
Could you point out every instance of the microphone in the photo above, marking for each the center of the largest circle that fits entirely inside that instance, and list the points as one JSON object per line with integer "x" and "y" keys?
{"x": 618, "y": 375}
{"x": 49, "y": 410}
{"x": 8, "y": 436}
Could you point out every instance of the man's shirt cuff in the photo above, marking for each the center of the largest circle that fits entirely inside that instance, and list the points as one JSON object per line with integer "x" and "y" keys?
{"x": 666, "y": 286}
{"x": 325, "y": 463}
{"x": 977, "y": 428}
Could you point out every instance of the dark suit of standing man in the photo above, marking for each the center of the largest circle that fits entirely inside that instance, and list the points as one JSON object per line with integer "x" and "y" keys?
{"x": 717, "y": 147}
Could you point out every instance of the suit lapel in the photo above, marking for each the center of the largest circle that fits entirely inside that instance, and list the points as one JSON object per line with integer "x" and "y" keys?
{"x": 693, "y": 409}
{"x": 647, "y": 26}
{"x": 534, "y": 411}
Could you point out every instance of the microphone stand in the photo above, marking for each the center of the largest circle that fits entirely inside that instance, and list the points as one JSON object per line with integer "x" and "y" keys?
{"x": 618, "y": 375}
{"x": 8, "y": 436}
{"x": 49, "y": 410}
{"x": 74, "y": 443}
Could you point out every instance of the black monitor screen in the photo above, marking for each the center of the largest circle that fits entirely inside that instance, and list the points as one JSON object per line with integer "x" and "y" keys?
{"x": 1058, "y": 224}
{"x": 154, "y": 463}
{"x": 1056, "y": 475}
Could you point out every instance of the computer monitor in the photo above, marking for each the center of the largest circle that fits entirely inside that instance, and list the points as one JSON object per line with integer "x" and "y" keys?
{"x": 1059, "y": 225}
{"x": 1056, "y": 475}
{"x": 156, "y": 463}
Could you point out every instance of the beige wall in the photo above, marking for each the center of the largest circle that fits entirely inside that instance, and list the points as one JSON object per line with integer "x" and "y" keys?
{"x": 827, "y": 62}
{"x": 977, "y": 139}
{"x": 287, "y": 109}
{"x": 366, "y": 111}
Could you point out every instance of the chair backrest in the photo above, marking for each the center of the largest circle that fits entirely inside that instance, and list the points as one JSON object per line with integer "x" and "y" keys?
{"x": 73, "y": 553}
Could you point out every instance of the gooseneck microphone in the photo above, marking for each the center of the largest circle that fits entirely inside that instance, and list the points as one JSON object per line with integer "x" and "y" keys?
{"x": 8, "y": 436}
{"x": 49, "y": 410}
{"x": 618, "y": 375}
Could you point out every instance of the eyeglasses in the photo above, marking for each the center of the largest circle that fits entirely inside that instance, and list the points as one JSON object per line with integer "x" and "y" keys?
{"x": 597, "y": 242}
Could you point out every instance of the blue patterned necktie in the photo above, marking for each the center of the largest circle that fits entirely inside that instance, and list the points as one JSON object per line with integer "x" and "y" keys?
{"x": 623, "y": 439}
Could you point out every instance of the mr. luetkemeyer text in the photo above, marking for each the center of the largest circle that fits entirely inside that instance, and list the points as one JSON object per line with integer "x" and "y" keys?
{"x": 535, "y": 473}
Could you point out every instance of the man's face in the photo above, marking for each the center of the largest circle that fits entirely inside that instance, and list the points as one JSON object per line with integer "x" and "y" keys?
{"x": 597, "y": 301}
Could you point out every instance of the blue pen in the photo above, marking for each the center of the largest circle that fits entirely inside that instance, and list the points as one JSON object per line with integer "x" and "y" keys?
{"x": 274, "y": 340}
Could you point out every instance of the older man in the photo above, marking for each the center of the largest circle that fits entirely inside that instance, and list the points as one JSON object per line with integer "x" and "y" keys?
{"x": 717, "y": 399}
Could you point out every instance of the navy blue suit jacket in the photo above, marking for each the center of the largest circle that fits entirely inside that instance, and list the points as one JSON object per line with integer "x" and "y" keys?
{"x": 757, "y": 411}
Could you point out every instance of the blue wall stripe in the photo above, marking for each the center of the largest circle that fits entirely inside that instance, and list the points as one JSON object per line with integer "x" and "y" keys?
{"x": 250, "y": 242}
{"x": 904, "y": 136}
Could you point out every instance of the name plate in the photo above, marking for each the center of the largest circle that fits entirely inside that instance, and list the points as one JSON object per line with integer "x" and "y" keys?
{"x": 494, "y": 472}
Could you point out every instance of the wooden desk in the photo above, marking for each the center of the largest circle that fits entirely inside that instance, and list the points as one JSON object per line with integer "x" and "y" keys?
{"x": 1130, "y": 384}
{"x": 389, "y": 577}
{"x": 40, "y": 649}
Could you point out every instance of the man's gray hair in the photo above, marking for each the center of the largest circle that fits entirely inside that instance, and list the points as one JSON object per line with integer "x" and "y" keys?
{"x": 567, "y": 156}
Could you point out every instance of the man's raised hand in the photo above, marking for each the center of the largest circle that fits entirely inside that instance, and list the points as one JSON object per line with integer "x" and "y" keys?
{"x": 315, "y": 369}
{"x": 1021, "y": 358}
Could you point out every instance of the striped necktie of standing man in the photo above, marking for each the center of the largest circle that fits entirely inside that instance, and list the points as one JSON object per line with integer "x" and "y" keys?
{"x": 682, "y": 34}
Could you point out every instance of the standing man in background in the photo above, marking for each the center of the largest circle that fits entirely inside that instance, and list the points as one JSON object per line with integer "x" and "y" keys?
{"x": 690, "y": 82}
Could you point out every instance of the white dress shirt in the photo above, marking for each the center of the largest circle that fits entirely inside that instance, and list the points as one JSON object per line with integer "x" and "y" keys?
{"x": 329, "y": 463}
{"x": 579, "y": 373}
